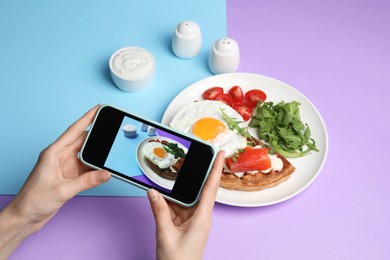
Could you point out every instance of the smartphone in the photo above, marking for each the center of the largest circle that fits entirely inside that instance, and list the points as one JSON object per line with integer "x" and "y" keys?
{"x": 148, "y": 154}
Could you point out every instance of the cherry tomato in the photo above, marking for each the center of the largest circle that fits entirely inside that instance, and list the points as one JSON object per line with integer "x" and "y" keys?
{"x": 225, "y": 98}
{"x": 212, "y": 93}
{"x": 249, "y": 159}
{"x": 236, "y": 93}
{"x": 244, "y": 109}
{"x": 254, "y": 96}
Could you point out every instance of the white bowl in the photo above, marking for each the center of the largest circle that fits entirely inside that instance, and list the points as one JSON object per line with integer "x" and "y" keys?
{"x": 129, "y": 131}
{"x": 132, "y": 68}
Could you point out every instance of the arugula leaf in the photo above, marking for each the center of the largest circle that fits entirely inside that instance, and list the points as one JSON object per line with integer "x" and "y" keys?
{"x": 237, "y": 154}
{"x": 174, "y": 149}
{"x": 235, "y": 125}
{"x": 281, "y": 127}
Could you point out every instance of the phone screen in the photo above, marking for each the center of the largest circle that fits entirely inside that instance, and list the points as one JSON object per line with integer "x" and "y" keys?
{"x": 148, "y": 154}
{"x": 158, "y": 153}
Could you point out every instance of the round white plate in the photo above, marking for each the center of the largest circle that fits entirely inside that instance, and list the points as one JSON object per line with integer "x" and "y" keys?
{"x": 307, "y": 167}
{"x": 152, "y": 175}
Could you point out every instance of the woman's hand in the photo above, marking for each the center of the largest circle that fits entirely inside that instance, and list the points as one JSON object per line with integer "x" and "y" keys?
{"x": 57, "y": 177}
{"x": 182, "y": 233}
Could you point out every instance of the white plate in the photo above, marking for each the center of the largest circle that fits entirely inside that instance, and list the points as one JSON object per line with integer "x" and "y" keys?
{"x": 152, "y": 175}
{"x": 307, "y": 167}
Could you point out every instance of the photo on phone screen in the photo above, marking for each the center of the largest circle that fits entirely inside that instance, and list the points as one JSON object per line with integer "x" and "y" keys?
{"x": 159, "y": 154}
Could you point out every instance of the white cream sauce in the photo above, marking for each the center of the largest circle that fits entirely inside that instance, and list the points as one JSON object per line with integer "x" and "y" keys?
{"x": 133, "y": 63}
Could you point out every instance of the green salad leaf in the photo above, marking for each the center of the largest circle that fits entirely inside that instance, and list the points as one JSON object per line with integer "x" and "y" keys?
{"x": 281, "y": 127}
{"x": 233, "y": 124}
{"x": 173, "y": 148}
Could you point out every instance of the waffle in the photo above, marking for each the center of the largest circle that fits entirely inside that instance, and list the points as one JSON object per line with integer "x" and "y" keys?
{"x": 259, "y": 180}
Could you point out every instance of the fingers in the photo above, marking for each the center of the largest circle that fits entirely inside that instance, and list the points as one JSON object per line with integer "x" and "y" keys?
{"x": 160, "y": 209}
{"x": 78, "y": 127}
{"x": 86, "y": 181}
{"x": 76, "y": 145}
{"x": 211, "y": 187}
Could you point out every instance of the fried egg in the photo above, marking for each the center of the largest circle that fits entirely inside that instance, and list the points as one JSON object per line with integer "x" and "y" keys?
{"x": 204, "y": 120}
{"x": 156, "y": 153}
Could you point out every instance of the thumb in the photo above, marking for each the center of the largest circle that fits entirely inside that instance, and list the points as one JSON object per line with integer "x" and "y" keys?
{"x": 88, "y": 180}
{"x": 160, "y": 209}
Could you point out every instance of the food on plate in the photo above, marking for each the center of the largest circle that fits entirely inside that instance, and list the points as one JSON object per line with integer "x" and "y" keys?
{"x": 244, "y": 109}
{"x": 212, "y": 93}
{"x": 281, "y": 127}
{"x": 254, "y": 96}
{"x": 278, "y": 125}
{"x": 236, "y": 93}
{"x": 249, "y": 165}
{"x": 163, "y": 157}
{"x": 156, "y": 153}
{"x": 225, "y": 98}
{"x": 255, "y": 169}
{"x": 204, "y": 120}
{"x": 242, "y": 102}
{"x": 249, "y": 159}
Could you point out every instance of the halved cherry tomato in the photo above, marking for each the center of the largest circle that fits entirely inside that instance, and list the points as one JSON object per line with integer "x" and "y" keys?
{"x": 225, "y": 98}
{"x": 212, "y": 93}
{"x": 254, "y": 96}
{"x": 250, "y": 159}
{"x": 236, "y": 93}
{"x": 244, "y": 109}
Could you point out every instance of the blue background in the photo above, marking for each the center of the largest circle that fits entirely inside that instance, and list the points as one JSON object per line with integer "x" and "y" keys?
{"x": 54, "y": 67}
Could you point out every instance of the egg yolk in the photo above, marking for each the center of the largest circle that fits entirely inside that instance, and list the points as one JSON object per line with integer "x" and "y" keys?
{"x": 208, "y": 128}
{"x": 159, "y": 152}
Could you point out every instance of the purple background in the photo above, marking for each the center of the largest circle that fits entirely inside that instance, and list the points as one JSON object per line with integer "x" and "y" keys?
{"x": 337, "y": 53}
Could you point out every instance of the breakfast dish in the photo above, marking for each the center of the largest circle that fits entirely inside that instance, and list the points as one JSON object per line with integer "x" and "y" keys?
{"x": 189, "y": 110}
{"x": 158, "y": 162}
{"x": 248, "y": 167}
{"x": 204, "y": 120}
{"x": 277, "y": 171}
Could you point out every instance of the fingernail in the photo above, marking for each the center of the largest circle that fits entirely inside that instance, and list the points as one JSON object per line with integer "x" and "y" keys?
{"x": 104, "y": 176}
{"x": 152, "y": 194}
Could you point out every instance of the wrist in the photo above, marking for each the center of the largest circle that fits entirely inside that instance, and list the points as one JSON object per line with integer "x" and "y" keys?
{"x": 14, "y": 229}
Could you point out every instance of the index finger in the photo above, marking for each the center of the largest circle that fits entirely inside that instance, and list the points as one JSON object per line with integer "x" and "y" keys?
{"x": 78, "y": 127}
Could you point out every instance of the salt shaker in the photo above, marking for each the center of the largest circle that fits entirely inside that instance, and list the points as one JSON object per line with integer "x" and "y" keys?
{"x": 187, "y": 40}
{"x": 144, "y": 127}
{"x": 151, "y": 131}
{"x": 224, "y": 56}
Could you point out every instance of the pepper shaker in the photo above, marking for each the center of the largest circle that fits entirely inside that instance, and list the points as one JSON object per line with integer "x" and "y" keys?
{"x": 224, "y": 56}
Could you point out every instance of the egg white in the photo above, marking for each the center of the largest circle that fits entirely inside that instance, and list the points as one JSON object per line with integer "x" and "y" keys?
{"x": 162, "y": 163}
{"x": 228, "y": 140}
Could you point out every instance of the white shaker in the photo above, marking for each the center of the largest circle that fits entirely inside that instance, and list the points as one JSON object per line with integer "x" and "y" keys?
{"x": 151, "y": 131}
{"x": 224, "y": 56}
{"x": 187, "y": 40}
{"x": 144, "y": 127}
